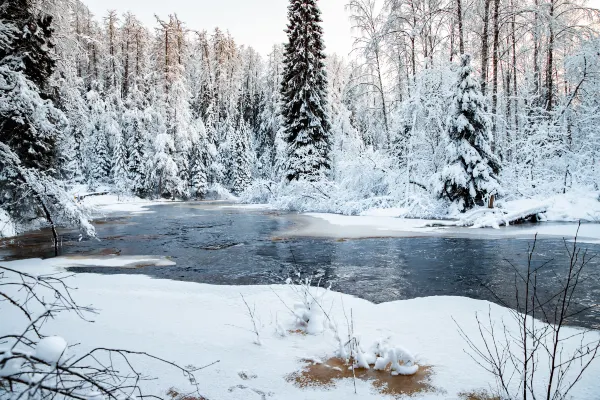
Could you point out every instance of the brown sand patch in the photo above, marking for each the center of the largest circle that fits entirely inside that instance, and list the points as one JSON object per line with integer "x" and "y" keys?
{"x": 336, "y": 369}
{"x": 478, "y": 395}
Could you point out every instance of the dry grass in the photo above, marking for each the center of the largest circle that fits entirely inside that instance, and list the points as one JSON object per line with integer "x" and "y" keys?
{"x": 478, "y": 395}
{"x": 299, "y": 332}
{"x": 335, "y": 369}
{"x": 175, "y": 395}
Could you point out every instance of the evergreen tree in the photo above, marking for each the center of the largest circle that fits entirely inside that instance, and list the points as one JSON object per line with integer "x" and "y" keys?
{"x": 26, "y": 69}
{"x": 97, "y": 156}
{"x": 304, "y": 94}
{"x": 119, "y": 168}
{"x": 163, "y": 175}
{"x": 471, "y": 170}
{"x": 269, "y": 119}
{"x": 199, "y": 161}
{"x": 29, "y": 121}
{"x": 135, "y": 137}
{"x": 240, "y": 165}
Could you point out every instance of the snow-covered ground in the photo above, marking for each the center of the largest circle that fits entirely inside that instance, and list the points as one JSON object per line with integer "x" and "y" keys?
{"x": 197, "y": 324}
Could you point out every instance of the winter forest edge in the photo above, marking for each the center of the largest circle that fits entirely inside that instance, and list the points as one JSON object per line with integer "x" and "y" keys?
{"x": 439, "y": 107}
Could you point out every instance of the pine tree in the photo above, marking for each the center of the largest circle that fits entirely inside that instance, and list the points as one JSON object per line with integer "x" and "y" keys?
{"x": 471, "y": 170}
{"x": 304, "y": 94}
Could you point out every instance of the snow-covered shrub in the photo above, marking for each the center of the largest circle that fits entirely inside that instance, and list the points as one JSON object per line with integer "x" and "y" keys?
{"x": 217, "y": 191}
{"x": 308, "y": 310}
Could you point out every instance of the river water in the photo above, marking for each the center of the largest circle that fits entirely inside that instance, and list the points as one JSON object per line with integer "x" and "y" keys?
{"x": 221, "y": 245}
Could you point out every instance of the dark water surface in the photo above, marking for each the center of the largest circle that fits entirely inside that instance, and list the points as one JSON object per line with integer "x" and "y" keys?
{"x": 216, "y": 245}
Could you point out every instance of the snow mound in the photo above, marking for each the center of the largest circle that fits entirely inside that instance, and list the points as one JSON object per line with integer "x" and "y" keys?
{"x": 51, "y": 349}
{"x": 7, "y": 227}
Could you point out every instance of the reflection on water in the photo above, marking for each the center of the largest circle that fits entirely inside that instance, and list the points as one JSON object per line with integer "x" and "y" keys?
{"x": 231, "y": 246}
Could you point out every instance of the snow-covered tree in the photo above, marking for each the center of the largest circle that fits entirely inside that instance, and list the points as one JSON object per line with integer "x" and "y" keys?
{"x": 200, "y": 160}
{"x": 269, "y": 119}
{"x": 470, "y": 173}
{"x": 119, "y": 165}
{"x": 136, "y": 140}
{"x": 304, "y": 95}
{"x": 30, "y": 122}
{"x": 240, "y": 163}
{"x": 97, "y": 155}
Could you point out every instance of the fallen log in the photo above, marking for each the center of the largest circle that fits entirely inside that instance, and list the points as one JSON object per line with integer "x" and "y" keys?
{"x": 83, "y": 196}
{"x": 494, "y": 218}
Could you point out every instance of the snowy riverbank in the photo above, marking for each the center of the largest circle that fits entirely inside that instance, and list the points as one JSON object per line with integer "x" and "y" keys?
{"x": 198, "y": 324}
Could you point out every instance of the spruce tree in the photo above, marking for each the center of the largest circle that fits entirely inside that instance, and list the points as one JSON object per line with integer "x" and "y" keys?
{"x": 470, "y": 172}
{"x": 304, "y": 94}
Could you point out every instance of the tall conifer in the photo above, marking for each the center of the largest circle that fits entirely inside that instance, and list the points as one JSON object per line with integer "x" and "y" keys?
{"x": 304, "y": 94}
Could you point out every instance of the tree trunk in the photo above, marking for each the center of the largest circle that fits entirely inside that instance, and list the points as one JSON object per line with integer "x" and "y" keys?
{"x": 461, "y": 40}
{"x": 514, "y": 68}
{"x": 495, "y": 57}
{"x": 536, "y": 51}
{"x": 485, "y": 46}
{"x": 550, "y": 66}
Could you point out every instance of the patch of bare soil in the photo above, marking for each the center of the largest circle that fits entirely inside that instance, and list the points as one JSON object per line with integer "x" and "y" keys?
{"x": 336, "y": 369}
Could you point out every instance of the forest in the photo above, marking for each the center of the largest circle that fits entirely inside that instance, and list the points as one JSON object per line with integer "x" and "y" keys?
{"x": 441, "y": 105}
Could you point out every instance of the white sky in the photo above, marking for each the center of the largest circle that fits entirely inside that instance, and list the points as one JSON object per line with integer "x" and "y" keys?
{"x": 257, "y": 23}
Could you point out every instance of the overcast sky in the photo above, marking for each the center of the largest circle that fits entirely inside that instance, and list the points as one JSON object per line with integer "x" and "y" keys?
{"x": 257, "y": 23}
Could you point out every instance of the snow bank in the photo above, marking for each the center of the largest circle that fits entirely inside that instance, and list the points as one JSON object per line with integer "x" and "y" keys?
{"x": 100, "y": 203}
{"x": 344, "y": 226}
{"x": 197, "y": 324}
{"x": 111, "y": 261}
{"x": 362, "y": 200}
